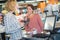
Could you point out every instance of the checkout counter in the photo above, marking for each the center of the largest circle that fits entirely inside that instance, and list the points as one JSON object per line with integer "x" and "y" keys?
{"x": 50, "y": 23}
{"x": 52, "y": 30}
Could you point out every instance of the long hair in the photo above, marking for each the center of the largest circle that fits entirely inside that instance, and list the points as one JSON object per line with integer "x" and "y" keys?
{"x": 10, "y": 5}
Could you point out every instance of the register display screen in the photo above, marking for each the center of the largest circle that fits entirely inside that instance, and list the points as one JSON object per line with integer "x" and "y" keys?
{"x": 49, "y": 24}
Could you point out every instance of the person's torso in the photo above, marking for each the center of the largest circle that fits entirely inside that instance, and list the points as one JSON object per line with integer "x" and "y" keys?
{"x": 33, "y": 23}
{"x": 55, "y": 7}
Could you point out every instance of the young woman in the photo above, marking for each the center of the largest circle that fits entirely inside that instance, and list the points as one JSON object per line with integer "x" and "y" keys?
{"x": 11, "y": 23}
{"x": 35, "y": 22}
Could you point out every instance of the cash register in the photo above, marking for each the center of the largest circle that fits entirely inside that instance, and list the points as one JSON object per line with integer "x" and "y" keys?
{"x": 48, "y": 27}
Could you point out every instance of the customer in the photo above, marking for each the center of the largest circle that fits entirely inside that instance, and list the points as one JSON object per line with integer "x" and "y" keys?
{"x": 55, "y": 9}
{"x": 11, "y": 24}
{"x": 49, "y": 9}
{"x": 2, "y": 32}
{"x": 35, "y": 22}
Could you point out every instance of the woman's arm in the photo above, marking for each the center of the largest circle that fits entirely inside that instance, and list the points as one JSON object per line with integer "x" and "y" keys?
{"x": 39, "y": 22}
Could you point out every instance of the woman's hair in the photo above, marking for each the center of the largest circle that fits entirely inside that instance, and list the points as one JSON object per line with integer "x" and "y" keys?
{"x": 31, "y": 6}
{"x": 10, "y": 5}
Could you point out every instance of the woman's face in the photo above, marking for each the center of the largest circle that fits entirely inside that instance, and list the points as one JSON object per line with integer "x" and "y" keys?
{"x": 29, "y": 9}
